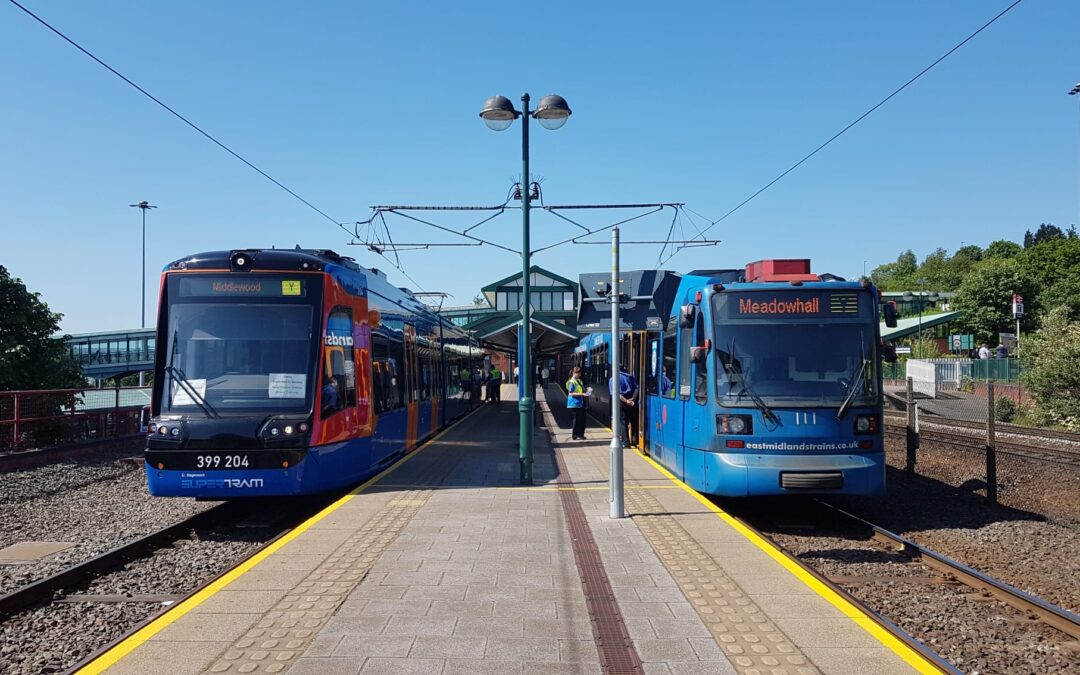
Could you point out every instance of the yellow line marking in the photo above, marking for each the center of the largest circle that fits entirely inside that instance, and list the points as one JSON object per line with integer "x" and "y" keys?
{"x": 909, "y": 655}
{"x": 527, "y": 488}
{"x": 913, "y": 658}
{"x": 129, "y": 644}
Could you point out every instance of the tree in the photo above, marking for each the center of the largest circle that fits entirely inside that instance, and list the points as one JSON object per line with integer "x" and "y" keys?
{"x": 1054, "y": 265}
{"x": 479, "y": 300}
{"x": 1003, "y": 249}
{"x": 985, "y": 297}
{"x": 1046, "y": 232}
{"x": 1052, "y": 368}
{"x": 970, "y": 252}
{"x": 896, "y": 276}
{"x": 29, "y": 356}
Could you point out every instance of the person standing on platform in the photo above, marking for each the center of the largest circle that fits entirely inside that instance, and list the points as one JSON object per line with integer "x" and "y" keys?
{"x": 494, "y": 385}
{"x": 628, "y": 411}
{"x": 575, "y": 401}
{"x": 544, "y": 376}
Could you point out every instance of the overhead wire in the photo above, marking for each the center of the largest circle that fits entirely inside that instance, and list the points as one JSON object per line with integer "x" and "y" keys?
{"x": 861, "y": 117}
{"x": 183, "y": 119}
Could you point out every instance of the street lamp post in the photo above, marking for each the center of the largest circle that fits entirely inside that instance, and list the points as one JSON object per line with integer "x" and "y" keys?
{"x": 1072, "y": 92}
{"x": 498, "y": 114}
{"x": 143, "y": 206}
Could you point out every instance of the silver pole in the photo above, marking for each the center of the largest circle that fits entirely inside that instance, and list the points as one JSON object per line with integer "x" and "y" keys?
{"x": 616, "y": 424}
{"x": 142, "y": 324}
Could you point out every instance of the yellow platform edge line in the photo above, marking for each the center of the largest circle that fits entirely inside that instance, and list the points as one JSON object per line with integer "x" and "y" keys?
{"x": 527, "y": 488}
{"x": 133, "y": 641}
{"x": 913, "y": 658}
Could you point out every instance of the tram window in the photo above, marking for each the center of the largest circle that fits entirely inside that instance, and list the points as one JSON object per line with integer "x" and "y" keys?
{"x": 387, "y": 355}
{"x": 701, "y": 368}
{"x": 652, "y": 364}
{"x": 667, "y": 366}
{"x": 685, "y": 335}
{"x": 339, "y": 380}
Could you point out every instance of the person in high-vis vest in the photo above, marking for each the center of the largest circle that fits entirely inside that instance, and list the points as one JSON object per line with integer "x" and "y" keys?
{"x": 575, "y": 401}
{"x": 494, "y": 385}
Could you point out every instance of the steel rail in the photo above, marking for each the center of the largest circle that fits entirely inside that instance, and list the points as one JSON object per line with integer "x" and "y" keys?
{"x": 1062, "y": 456}
{"x": 894, "y": 630}
{"x": 85, "y": 571}
{"x": 96, "y": 654}
{"x": 1052, "y": 615}
{"x": 1001, "y": 427}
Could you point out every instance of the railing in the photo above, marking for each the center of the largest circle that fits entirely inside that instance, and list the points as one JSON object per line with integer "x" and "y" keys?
{"x": 998, "y": 370}
{"x": 53, "y": 417}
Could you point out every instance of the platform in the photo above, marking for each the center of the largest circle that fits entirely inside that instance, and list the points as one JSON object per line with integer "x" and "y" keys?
{"x": 443, "y": 564}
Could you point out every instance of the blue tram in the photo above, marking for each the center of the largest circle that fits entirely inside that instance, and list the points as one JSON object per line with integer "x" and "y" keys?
{"x": 293, "y": 372}
{"x": 760, "y": 381}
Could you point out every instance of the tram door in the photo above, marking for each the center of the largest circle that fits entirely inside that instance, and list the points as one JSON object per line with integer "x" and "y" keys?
{"x": 651, "y": 399}
{"x": 675, "y": 349}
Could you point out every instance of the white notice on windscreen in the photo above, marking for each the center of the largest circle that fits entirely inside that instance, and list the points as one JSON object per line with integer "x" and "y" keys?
{"x": 181, "y": 395}
{"x": 287, "y": 385}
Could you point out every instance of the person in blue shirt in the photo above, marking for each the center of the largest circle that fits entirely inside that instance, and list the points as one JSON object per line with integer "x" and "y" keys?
{"x": 628, "y": 408}
{"x": 575, "y": 401}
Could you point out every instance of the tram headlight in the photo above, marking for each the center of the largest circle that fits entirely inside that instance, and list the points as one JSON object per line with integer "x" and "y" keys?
{"x": 866, "y": 424}
{"x": 734, "y": 424}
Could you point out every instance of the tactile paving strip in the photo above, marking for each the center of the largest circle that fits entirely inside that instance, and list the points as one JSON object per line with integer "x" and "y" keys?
{"x": 617, "y": 653}
{"x": 287, "y": 629}
{"x": 754, "y": 644}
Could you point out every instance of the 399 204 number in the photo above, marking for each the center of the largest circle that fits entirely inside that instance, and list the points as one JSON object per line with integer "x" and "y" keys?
{"x": 221, "y": 461}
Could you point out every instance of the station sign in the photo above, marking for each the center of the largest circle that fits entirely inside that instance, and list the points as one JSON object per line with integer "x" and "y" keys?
{"x": 903, "y": 350}
{"x": 1017, "y": 305}
{"x": 961, "y": 342}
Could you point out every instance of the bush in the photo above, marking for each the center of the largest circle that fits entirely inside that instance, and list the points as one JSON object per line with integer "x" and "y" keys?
{"x": 1004, "y": 409}
{"x": 1052, "y": 369}
{"x": 967, "y": 385}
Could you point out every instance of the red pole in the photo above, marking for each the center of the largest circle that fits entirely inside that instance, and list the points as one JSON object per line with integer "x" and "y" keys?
{"x": 116, "y": 409}
{"x": 15, "y": 426}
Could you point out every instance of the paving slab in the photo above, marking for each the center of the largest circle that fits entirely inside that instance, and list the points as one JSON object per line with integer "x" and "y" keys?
{"x": 447, "y": 565}
{"x": 698, "y": 595}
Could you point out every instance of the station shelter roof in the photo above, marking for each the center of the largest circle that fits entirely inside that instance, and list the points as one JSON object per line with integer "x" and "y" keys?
{"x": 910, "y": 325}
{"x": 553, "y": 314}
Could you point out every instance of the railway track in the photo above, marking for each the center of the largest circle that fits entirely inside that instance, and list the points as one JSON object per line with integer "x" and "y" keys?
{"x": 931, "y": 432}
{"x": 903, "y": 583}
{"x": 95, "y": 603}
{"x": 1000, "y": 428}
{"x": 45, "y": 590}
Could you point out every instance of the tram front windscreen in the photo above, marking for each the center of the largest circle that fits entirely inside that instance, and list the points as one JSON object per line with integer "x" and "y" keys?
{"x": 239, "y": 343}
{"x": 794, "y": 348}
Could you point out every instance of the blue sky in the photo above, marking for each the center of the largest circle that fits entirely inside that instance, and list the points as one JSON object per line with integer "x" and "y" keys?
{"x": 354, "y": 104}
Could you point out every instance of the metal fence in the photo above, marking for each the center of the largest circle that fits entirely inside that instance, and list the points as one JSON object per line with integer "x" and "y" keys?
{"x": 960, "y": 370}
{"x": 1027, "y": 469}
{"x": 49, "y": 418}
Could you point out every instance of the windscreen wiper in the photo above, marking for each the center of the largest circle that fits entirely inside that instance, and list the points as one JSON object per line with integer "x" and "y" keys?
{"x": 854, "y": 387}
{"x": 729, "y": 368}
{"x": 185, "y": 384}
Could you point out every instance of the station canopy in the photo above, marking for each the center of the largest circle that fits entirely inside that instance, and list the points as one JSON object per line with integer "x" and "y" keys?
{"x": 496, "y": 322}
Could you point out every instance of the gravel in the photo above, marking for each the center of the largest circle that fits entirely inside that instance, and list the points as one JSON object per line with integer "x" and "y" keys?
{"x": 55, "y": 637}
{"x": 975, "y": 632}
{"x": 97, "y": 503}
{"x": 945, "y": 509}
